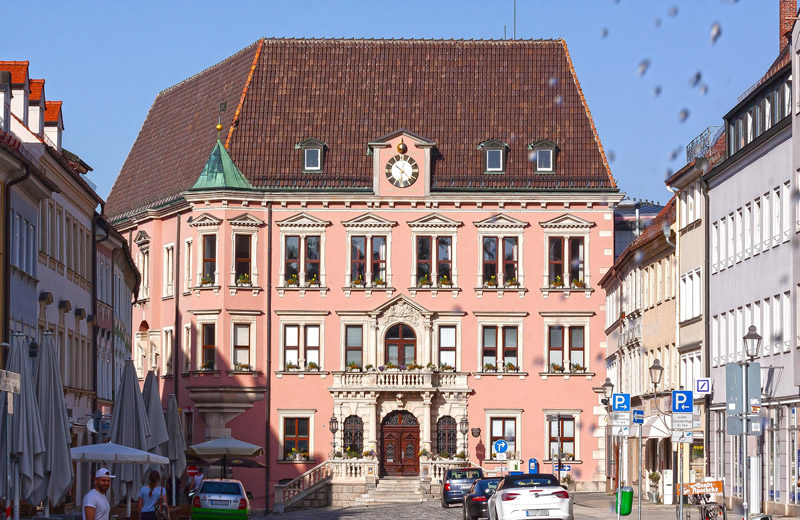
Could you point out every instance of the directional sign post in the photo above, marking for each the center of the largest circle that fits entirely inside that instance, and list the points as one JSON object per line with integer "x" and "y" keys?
{"x": 638, "y": 417}
{"x": 500, "y": 448}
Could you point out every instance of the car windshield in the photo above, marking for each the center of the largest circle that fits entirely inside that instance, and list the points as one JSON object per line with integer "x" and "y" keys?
{"x": 532, "y": 481}
{"x": 486, "y": 486}
{"x": 221, "y": 488}
{"x": 464, "y": 474}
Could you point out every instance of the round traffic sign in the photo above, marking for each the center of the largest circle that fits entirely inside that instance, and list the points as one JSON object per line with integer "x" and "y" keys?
{"x": 500, "y": 446}
{"x": 191, "y": 471}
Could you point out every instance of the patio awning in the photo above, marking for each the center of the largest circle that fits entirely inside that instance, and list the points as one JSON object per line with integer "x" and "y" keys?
{"x": 657, "y": 427}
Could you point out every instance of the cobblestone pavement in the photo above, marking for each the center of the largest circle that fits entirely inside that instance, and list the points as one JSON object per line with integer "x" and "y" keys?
{"x": 587, "y": 506}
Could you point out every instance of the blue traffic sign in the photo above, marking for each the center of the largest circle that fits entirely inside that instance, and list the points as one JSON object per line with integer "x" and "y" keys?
{"x": 682, "y": 401}
{"x": 500, "y": 446}
{"x": 638, "y": 416}
{"x": 533, "y": 466}
{"x": 621, "y": 402}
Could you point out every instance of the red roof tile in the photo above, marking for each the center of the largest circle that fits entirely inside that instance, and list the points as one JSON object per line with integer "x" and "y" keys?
{"x": 347, "y": 93}
{"x": 18, "y": 69}
{"x": 37, "y": 89}
{"x": 52, "y": 111}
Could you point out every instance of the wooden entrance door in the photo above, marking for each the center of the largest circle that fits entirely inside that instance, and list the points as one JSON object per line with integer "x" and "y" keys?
{"x": 400, "y": 445}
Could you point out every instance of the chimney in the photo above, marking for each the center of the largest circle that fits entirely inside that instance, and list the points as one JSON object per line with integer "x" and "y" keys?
{"x": 36, "y": 107}
{"x": 19, "y": 88}
{"x": 5, "y": 100}
{"x": 786, "y": 12}
{"x": 53, "y": 123}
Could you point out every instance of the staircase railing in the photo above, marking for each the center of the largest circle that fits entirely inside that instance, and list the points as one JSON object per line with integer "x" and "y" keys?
{"x": 289, "y": 493}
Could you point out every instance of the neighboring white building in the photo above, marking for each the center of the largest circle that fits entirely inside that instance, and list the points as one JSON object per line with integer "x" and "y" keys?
{"x": 752, "y": 223}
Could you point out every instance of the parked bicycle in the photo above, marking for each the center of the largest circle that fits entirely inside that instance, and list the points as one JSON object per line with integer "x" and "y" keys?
{"x": 709, "y": 510}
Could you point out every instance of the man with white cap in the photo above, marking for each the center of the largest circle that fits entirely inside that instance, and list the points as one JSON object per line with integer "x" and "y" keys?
{"x": 95, "y": 503}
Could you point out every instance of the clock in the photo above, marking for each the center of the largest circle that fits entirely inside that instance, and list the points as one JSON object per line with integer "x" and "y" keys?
{"x": 402, "y": 170}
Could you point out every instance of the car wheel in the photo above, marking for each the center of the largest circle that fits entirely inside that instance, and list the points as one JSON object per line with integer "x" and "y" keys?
{"x": 445, "y": 505}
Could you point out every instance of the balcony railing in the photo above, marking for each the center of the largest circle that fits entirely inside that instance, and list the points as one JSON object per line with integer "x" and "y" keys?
{"x": 400, "y": 379}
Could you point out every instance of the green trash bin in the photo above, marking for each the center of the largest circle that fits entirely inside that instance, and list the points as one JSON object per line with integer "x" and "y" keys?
{"x": 624, "y": 501}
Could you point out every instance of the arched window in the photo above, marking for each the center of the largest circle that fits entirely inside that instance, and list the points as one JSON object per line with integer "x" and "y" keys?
{"x": 401, "y": 345}
{"x": 446, "y": 435}
{"x": 354, "y": 434}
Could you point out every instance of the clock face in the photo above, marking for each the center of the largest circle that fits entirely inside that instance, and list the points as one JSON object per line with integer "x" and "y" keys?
{"x": 402, "y": 171}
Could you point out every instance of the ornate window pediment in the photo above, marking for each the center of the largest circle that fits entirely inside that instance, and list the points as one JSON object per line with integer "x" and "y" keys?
{"x": 246, "y": 220}
{"x": 501, "y": 221}
{"x": 567, "y": 221}
{"x": 141, "y": 239}
{"x": 303, "y": 221}
{"x": 369, "y": 221}
{"x": 206, "y": 220}
{"x": 435, "y": 221}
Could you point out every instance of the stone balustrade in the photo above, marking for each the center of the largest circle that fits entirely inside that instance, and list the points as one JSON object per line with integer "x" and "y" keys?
{"x": 436, "y": 469}
{"x": 400, "y": 380}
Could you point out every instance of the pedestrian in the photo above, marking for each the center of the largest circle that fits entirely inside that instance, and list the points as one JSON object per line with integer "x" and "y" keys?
{"x": 150, "y": 495}
{"x": 95, "y": 502}
{"x": 197, "y": 480}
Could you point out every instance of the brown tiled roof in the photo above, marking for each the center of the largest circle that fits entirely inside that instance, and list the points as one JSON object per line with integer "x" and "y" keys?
{"x": 347, "y": 93}
{"x": 37, "y": 87}
{"x": 52, "y": 111}
{"x": 18, "y": 70}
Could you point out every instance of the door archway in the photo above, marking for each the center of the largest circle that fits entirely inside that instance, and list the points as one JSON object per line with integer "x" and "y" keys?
{"x": 400, "y": 444}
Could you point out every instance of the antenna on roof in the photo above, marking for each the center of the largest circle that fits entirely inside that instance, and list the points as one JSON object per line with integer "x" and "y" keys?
{"x": 223, "y": 105}
{"x": 515, "y": 19}
{"x": 504, "y": 32}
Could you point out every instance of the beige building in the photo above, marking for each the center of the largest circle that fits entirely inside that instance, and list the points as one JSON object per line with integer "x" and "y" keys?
{"x": 640, "y": 325}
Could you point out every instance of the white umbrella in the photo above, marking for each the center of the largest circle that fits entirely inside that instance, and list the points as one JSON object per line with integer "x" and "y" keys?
{"x": 22, "y": 436}
{"x": 129, "y": 427}
{"x": 110, "y": 453}
{"x": 155, "y": 415}
{"x": 176, "y": 447}
{"x": 53, "y": 413}
{"x": 223, "y": 447}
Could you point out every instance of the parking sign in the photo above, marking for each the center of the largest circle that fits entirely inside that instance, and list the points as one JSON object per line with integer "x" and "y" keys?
{"x": 621, "y": 402}
{"x": 682, "y": 401}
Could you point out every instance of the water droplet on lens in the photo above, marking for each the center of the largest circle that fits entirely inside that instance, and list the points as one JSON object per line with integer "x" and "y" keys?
{"x": 658, "y": 22}
{"x": 532, "y": 156}
{"x": 611, "y": 156}
{"x": 683, "y": 115}
{"x": 695, "y": 80}
{"x": 673, "y": 11}
{"x": 704, "y": 89}
{"x": 657, "y": 90}
{"x": 553, "y": 81}
{"x": 716, "y": 32}
{"x": 559, "y": 100}
{"x": 604, "y": 32}
{"x": 638, "y": 257}
{"x": 668, "y": 173}
{"x": 643, "y": 66}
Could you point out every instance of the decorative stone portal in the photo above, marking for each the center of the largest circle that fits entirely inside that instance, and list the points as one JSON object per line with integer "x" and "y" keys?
{"x": 400, "y": 445}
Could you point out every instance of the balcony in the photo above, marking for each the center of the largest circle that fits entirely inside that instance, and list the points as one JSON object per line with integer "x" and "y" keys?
{"x": 400, "y": 380}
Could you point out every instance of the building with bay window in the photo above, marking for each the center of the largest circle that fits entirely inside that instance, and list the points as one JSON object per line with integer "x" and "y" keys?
{"x": 379, "y": 259}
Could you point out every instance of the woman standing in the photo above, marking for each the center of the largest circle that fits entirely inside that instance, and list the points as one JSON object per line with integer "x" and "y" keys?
{"x": 150, "y": 495}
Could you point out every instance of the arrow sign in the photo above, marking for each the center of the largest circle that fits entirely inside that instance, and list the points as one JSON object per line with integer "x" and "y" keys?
{"x": 638, "y": 416}
{"x": 500, "y": 446}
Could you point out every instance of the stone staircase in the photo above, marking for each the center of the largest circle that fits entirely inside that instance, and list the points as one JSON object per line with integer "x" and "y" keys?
{"x": 393, "y": 490}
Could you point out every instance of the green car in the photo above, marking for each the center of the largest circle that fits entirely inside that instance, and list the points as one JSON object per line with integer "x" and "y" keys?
{"x": 221, "y": 499}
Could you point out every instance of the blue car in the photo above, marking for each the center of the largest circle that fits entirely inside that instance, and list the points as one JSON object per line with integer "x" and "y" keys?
{"x": 457, "y": 483}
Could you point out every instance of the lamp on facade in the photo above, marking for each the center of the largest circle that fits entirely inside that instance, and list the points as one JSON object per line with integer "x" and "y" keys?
{"x": 752, "y": 342}
{"x": 608, "y": 390}
{"x": 463, "y": 427}
{"x": 656, "y": 372}
{"x": 333, "y": 424}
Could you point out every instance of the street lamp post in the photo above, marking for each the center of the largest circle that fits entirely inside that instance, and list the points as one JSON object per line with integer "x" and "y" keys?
{"x": 752, "y": 344}
{"x": 656, "y": 371}
{"x": 608, "y": 391}
{"x": 333, "y": 424}
{"x": 463, "y": 427}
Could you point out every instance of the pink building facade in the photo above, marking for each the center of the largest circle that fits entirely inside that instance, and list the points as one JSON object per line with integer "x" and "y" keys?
{"x": 372, "y": 276}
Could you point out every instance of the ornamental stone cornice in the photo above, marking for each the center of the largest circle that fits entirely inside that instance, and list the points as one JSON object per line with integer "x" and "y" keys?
{"x": 567, "y": 221}
{"x": 303, "y": 221}
{"x": 206, "y": 220}
{"x": 435, "y": 221}
{"x": 501, "y": 221}
{"x": 369, "y": 221}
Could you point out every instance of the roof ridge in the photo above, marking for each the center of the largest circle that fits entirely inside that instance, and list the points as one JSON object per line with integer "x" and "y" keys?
{"x": 235, "y": 120}
{"x": 588, "y": 114}
{"x": 411, "y": 40}
{"x": 193, "y": 76}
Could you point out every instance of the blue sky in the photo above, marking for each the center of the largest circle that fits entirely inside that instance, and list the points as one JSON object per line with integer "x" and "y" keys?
{"x": 108, "y": 60}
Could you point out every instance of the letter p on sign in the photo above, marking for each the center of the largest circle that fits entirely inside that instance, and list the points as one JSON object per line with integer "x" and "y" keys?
{"x": 682, "y": 401}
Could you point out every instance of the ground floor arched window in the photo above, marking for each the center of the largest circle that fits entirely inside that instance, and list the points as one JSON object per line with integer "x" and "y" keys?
{"x": 353, "y": 432}
{"x": 446, "y": 435}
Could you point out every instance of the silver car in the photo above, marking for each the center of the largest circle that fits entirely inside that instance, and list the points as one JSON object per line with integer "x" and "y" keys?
{"x": 221, "y": 499}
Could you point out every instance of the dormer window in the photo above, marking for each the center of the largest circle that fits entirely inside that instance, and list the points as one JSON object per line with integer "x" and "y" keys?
{"x": 313, "y": 155}
{"x": 544, "y": 153}
{"x": 495, "y": 155}
{"x": 312, "y": 159}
